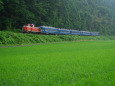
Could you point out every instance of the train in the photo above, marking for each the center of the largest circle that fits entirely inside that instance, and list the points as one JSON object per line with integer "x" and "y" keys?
{"x": 57, "y": 31}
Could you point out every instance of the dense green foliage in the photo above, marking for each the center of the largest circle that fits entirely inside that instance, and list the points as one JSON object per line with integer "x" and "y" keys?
{"x": 91, "y": 15}
{"x": 62, "y": 64}
{"x": 11, "y": 38}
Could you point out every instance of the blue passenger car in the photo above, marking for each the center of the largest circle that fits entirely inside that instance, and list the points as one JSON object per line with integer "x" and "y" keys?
{"x": 52, "y": 30}
{"x": 64, "y": 31}
{"x": 75, "y": 32}
{"x": 49, "y": 30}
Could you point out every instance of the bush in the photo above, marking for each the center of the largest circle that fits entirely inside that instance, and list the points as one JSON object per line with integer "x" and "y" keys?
{"x": 10, "y": 38}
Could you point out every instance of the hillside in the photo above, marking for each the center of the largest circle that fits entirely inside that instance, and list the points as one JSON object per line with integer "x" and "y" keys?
{"x": 91, "y": 15}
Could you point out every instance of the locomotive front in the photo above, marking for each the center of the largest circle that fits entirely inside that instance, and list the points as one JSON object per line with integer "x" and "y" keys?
{"x": 31, "y": 28}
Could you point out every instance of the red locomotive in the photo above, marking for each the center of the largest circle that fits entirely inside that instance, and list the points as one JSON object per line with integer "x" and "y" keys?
{"x": 30, "y": 28}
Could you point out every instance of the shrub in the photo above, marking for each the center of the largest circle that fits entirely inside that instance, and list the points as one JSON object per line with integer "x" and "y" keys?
{"x": 7, "y": 38}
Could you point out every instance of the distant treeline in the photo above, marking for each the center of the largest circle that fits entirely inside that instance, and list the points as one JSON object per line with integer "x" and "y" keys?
{"x": 90, "y": 15}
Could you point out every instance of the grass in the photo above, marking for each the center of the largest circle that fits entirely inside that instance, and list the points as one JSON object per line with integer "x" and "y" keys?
{"x": 90, "y": 63}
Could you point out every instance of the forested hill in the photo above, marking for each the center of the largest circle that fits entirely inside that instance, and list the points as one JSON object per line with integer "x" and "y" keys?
{"x": 90, "y": 15}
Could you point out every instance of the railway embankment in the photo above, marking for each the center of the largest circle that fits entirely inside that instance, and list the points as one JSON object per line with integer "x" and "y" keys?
{"x": 12, "y": 38}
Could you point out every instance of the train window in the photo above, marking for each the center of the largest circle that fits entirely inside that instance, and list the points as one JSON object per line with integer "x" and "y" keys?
{"x": 31, "y": 25}
{"x": 40, "y": 29}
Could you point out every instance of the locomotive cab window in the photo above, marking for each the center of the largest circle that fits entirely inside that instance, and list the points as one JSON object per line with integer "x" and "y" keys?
{"x": 40, "y": 29}
{"x": 31, "y": 25}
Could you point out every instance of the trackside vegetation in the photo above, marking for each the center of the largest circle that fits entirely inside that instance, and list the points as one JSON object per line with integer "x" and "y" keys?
{"x": 11, "y": 38}
{"x": 89, "y": 63}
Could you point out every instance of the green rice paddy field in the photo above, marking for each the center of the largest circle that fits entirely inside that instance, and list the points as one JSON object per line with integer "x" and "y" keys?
{"x": 90, "y": 63}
